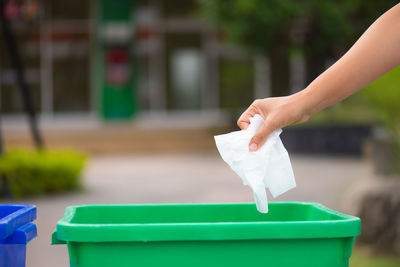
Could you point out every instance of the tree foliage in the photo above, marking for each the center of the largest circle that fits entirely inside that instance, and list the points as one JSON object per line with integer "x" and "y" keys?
{"x": 252, "y": 23}
{"x": 264, "y": 26}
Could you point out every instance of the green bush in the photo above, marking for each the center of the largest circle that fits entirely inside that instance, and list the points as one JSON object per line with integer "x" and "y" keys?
{"x": 377, "y": 103}
{"x": 384, "y": 96}
{"x": 355, "y": 110}
{"x": 38, "y": 172}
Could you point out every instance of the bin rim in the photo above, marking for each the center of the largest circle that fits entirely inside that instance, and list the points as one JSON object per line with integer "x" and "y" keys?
{"x": 346, "y": 226}
{"x": 25, "y": 214}
{"x": 22, "y": 235}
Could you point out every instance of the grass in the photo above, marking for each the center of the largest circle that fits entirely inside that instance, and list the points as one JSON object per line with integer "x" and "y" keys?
{"x": 363, "y": 257}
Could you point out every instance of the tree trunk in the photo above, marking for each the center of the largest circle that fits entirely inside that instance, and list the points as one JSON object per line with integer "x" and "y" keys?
{"x": 315, "y": 64}
{"x": 279, "y": 57}
{"x": 315, "y": 52}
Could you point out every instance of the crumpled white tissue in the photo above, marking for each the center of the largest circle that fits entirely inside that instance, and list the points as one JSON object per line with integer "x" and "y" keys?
{"x": 268, "y": 167}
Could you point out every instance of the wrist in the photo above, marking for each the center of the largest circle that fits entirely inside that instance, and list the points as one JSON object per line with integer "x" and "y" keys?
{"x": 303, "y": 100}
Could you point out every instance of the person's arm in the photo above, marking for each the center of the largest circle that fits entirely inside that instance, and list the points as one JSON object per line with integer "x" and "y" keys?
{"x": 374, "y": 54}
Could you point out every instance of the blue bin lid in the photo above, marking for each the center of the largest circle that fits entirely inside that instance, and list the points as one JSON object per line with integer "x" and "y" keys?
{"x": 14, "y": 216}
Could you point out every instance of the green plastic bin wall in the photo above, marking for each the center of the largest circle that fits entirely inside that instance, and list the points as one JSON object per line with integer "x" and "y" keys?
{"x": 291, "y": 234}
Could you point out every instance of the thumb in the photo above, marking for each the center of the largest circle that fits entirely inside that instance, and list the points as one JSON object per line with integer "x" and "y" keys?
{"x": 261, "y": 136}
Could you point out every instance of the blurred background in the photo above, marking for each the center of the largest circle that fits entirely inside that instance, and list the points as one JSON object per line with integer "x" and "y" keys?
{"x": 108, "y": 101}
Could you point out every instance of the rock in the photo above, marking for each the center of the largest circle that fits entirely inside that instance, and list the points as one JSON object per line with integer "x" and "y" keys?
{"x": 380, "y": 217}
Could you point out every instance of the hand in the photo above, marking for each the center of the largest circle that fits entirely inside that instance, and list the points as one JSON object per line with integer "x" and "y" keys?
{"x": 357, "y": 68}
{"x": 277, "y": 113}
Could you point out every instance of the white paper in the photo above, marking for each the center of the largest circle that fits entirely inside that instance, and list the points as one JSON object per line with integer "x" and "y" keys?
{"x": 268, "y": 167}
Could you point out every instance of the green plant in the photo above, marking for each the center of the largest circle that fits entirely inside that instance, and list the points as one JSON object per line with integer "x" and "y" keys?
{"x": 355, "y": 110}
{"x": 38, "y": 172}
{"x": 384, "y": 97}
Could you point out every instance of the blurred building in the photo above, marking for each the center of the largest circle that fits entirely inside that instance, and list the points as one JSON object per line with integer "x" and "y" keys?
{"x": 167, "y": 55}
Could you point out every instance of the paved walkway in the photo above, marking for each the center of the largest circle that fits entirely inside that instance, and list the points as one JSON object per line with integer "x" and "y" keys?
{"x": 181, "y": 179}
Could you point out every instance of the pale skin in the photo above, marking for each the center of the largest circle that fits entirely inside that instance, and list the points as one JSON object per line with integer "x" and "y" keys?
{"x": 374, "y": 54}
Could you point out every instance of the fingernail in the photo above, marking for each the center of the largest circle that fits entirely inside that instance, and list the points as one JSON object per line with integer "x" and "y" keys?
{"x": 253, "y": 147}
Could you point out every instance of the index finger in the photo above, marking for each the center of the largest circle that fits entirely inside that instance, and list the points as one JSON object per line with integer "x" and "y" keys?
{"x": 244, "y": 120}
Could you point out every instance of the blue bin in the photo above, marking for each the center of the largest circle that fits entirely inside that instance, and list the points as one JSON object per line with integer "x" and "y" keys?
{"x": 16, "y": 230}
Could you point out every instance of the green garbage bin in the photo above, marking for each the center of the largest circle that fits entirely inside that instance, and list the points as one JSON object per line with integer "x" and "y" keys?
{"x": 291, "y": 234}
